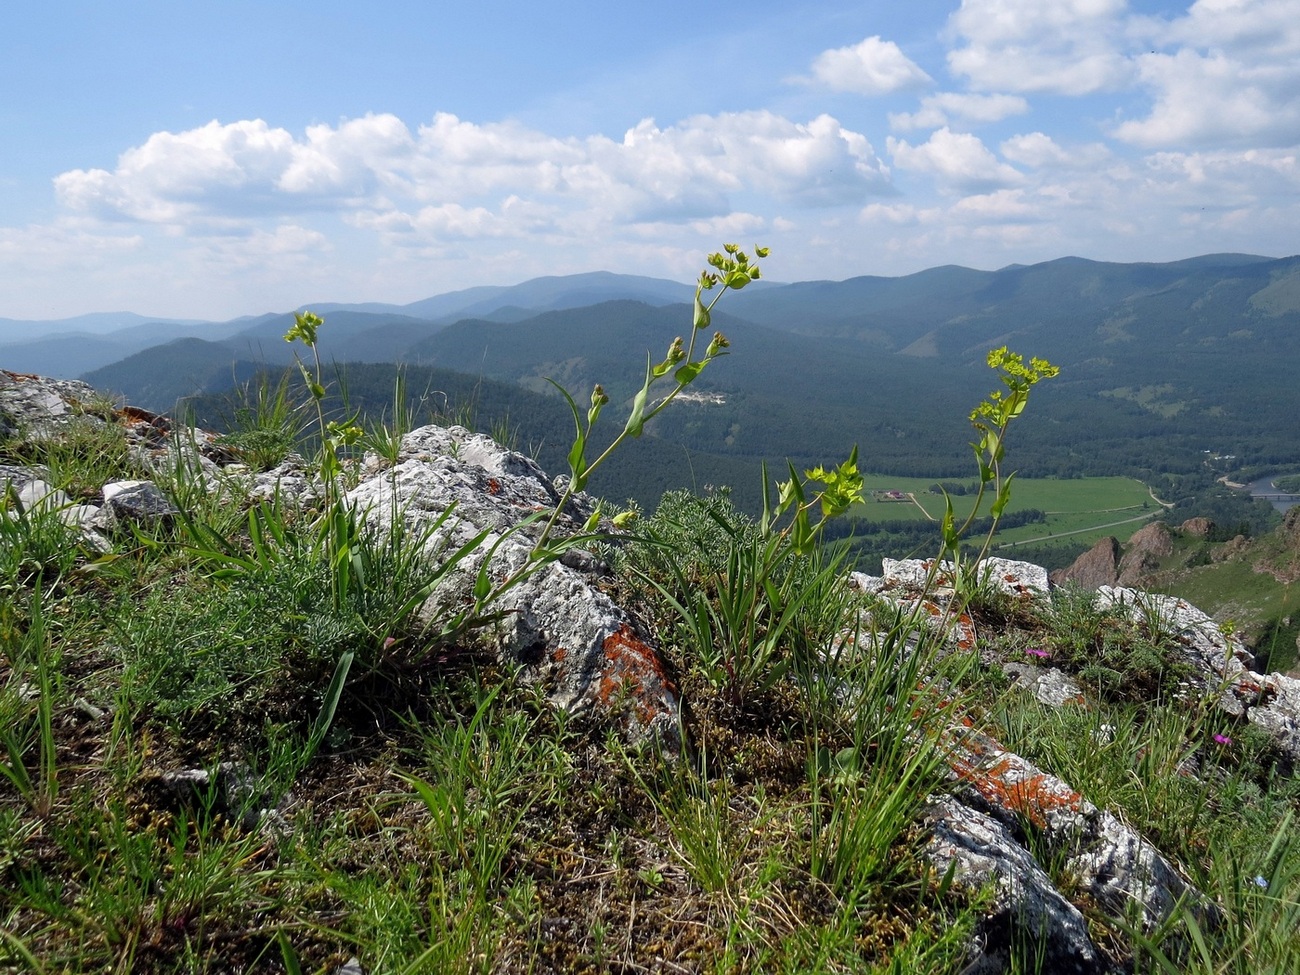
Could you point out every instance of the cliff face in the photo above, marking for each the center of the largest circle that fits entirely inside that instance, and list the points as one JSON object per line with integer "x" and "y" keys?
{"x": 598, "y": 649}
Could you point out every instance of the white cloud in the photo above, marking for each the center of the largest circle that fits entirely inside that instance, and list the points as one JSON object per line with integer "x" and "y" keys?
{"x": 1261, "y": 28}
{"x": 1063, "y": 46}
{"x": 275, "y": 250}
{"x": 895, "y": 214}
{"x": 360, "y": 156}
{"x": 999, "y": 206}
{"x": 870, "y": 67}
{"x": 451, "y": 221}
{"x": 1203, "y": 100}
{"x": 177, "y": 175}
{"x": 1039, "y": 151}
{"x": 957, "y": 160}
{"x": 1232, "y": 76}
{"x": 954, "y": 108}
{"x": 1225, "y": 178}
{"x": 64, "y": 245}
{"x": 458, "y": 179}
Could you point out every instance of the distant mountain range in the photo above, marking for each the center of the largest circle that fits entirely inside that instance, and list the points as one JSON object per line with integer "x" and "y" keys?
{"x": 67, "y": 348}
{"x": 1162, "y": 364}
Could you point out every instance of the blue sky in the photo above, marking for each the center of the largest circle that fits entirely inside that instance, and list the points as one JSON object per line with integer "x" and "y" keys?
{"x": 213, "y": 160}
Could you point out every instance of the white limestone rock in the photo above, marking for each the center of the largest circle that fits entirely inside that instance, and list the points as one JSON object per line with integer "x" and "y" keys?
{"x": 567, "y": 632}
{"x": 1028, "y": 914}
{"x": 139, "y": 502}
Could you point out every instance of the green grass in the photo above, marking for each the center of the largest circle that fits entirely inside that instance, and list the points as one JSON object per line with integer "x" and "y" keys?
{"x": 1266, "y": 611}
{"x": 1055, "y": 496}
{"x": 436, "y": 814}
{"x": 1084, "y": 510}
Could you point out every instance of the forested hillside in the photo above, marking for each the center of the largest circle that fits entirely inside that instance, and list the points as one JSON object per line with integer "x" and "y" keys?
{"x": 1174, "y": 374}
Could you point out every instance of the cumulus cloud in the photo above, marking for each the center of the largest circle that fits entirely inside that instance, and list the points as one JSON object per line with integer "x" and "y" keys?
{"x": 870, "y": 67}
{"x": 1000, "y": 206}
{"x": 954, "y": 108}
{"x": 1265, "y": 28}
{"x": 462, "y": 180}
{"x": 957, "y": 160}
{"x": 1224, "y": 177}
{"x": 174, "y": 175}
{"x": 1039, "y": 151}
{"x": 1231, "y": 76}
{"x": 1065, "y": 46}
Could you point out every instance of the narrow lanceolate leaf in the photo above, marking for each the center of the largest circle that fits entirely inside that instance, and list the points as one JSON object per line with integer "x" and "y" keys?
{"x": 636, "y": 419}
{"x": 482, "y": 582}
{"x": 578, "y": 462}
{"x": 950, "y": 536}
{"x": 577, "y": 458}
{"x": 1004, "y": 496}
{"x": 802, "y": 540}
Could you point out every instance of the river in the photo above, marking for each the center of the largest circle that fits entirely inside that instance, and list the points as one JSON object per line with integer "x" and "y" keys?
{"x": 1265, "y": 486}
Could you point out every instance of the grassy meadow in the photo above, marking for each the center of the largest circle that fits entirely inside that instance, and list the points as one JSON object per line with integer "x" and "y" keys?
{"x": 1084, "y": 509}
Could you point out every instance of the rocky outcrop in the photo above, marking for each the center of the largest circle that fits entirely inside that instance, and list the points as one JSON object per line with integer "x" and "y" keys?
{"x": 1218, "y": 664}
{"x": 1008, "y": 820}
{"x": 138, "y": 502}
{"x": 37, "y": 405}
{"x": 1027, "y": 911}
{"x": 1291, "y": 527}
{"x": 1231, "y": 549}
{"x": 557, "y": 623}
{"x": 1097, "y": 567}
{"x": 1001, "y": 828}
{"x": 1049, "y": 685}
{"x": 1197, "y": 527}
{"x": 1107, "y": 564}
{"x": 1145, "y": 549}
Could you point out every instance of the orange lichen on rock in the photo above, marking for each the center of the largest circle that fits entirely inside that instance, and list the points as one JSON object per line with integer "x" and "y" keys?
{"x": 633, "y": 669}
{"x": 1032, "y": 797}
{"x": 1009, "y": 782}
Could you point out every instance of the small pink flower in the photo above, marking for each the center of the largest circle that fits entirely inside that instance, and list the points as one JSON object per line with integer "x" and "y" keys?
{"x": 1223, "y": 739}
{"x": 1036, "y": 652}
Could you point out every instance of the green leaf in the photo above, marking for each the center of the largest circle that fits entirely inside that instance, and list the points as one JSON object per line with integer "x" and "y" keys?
{"x": 329, "y": 706}
{"x": 685, "y": 375}
{"x": 577, "y": 459}
{"x": 802, "y": 539}
{"x": 950, "y": 536}
{"x": 578, "y": 462}
{"x": 702, "y": 315}
{"x": 636, "y": 419}
{"x": 288, "y": 955}
{"x": 1003, "y": 498}
{"x": 482, "y": 582}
